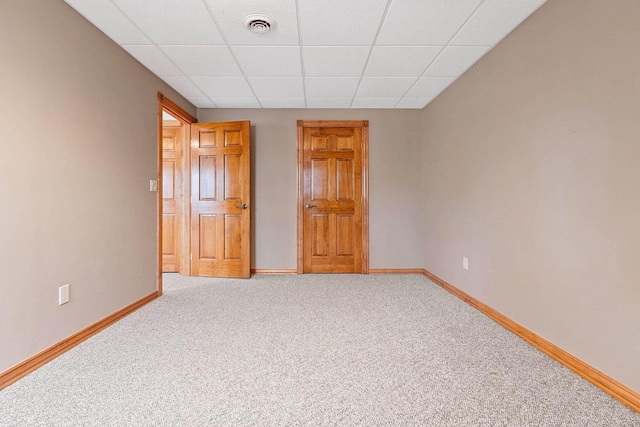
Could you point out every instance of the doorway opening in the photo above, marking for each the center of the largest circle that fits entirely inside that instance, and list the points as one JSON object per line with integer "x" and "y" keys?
{"x": 173, "y": 193}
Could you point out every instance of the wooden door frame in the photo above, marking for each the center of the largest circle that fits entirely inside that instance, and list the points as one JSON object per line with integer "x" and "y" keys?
{"x": 364, "y": 125}
{"x": 165, "y": 103}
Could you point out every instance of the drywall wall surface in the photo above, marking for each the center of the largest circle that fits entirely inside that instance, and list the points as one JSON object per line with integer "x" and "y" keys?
{"x": 531, "y": 171}
{"x": 79, "y": 146}
{"x": 395, "y": 176}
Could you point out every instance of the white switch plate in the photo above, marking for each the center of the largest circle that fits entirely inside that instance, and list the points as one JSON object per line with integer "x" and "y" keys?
{"x": 153, "y": 185}
{"x": 63, "y": 294}
{"x": 465, "y": 262}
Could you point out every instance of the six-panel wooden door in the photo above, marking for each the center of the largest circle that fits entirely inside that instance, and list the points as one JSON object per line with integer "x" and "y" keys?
{"x": 332, "y": 200}
{"x": 220, "y": 199}
{"x": 171, "y": 183}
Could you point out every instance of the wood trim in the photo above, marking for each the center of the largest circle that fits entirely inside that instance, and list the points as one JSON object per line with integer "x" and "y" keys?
{"x": 175, "y": 109}
{"x": 604, "y": 382}
{"x": 299, "y": 239}
{"x": 365, "y": 197}
{"x": 274, "y": 271}
{"x": 333, "y": 123}
{"x": 161, "y": 101}
{"x": 364, "y": 125}
{"x": 22, "y": 369}
{"x": 396, "y": 271}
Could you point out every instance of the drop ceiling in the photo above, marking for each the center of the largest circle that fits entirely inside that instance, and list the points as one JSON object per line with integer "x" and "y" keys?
{"x": 321, "y": 54}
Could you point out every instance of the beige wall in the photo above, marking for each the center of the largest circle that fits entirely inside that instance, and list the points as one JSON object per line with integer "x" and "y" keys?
{"x": 395, "y": 175}
{"x": 532, "y": 171}
{"x": 78, "y": 121}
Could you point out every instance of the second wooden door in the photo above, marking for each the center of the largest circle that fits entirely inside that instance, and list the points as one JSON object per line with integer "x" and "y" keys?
{"x": 332, "y": 196}
{"x": 171, "y": 184}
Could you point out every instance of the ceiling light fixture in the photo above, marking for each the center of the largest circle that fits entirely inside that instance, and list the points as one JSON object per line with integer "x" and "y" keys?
{"x": 259, "y": 24}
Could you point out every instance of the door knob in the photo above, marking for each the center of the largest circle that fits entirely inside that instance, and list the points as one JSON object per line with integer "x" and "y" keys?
{"x": 244, "y": 206}
{"x": 310, "y": 206}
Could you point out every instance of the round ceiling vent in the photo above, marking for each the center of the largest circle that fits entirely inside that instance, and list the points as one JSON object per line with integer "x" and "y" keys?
{"x": 259, "y": 24}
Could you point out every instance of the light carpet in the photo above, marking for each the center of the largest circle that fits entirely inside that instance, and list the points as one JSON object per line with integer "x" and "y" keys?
{"x": 309, "y": 350}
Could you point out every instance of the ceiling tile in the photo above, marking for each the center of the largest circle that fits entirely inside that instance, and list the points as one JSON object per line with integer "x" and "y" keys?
{"x": 230, "y": 14}
{"x": 455, "y": 60}
{"x": 375, "y": 102}
{"x": 172, "y": 21}
{"x": 339, "y": 22}
{"x": 153, "y": 58}
{"x": 329, "y": 102}
{"x": 201, "y": 101}
{"x": 223, "y": 87}
{"x": 277, "y": 87}
{"x": 429, "y": 87}
{"x": 424, "y": 22}
{"x": 183, "y": 85}
{"x": 203, "y": 60}
{"x": 282, "y": 102}
{"x": 401, "y": 61}
{"x": 331, "y": 87}
{"x": 335, "y": 61}
{"x": 494, "y": 20}
{"x": 413, "y": 102}
{"x": 104, "y": 15}
{"x": 269, "y": 61}
{"x": 236, "y": 102}
{"x": 384, "y": 87}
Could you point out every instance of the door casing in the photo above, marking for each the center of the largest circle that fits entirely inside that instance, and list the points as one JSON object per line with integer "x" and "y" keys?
{"x": 364, "y": 125}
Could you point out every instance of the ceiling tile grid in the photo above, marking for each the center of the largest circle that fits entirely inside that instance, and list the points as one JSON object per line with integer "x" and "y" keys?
{"x": 319, "y": 54}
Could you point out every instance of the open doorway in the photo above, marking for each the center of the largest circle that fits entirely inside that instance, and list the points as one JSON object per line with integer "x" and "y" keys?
{"x": 204, "y": 195}
{"x": 173, "y": 192}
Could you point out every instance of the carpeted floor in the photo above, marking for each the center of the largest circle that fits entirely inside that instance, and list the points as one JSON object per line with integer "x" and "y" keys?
{"x": 312, "y": 350}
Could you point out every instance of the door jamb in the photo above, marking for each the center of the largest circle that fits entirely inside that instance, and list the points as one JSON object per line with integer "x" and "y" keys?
{"x": 165, "y": 103}
{"x": 364, "y": 125}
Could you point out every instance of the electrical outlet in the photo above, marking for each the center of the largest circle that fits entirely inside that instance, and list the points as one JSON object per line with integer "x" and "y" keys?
{"x": 63, "y": 294}
{"x": 465, "y": 262}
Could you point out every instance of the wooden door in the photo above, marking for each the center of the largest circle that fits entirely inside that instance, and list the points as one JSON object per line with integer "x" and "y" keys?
{"x": 171, "y": 183}
{"x": 220, "y": 199}
{"x": 332, "y": 199}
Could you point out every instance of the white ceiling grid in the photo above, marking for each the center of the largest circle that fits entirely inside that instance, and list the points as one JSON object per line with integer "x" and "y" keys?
{"x": 321, "y": 54}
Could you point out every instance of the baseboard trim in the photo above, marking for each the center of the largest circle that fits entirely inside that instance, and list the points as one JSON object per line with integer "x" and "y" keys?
{"x": 274, "y": 271}
{"x": 607, "y": 384}
{"x": 396, "y": 271}
{"x": 22, "y": 369}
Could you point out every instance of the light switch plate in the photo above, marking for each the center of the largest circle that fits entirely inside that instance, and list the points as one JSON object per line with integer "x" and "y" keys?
{"x": 63, "y": 294}
{"x": 153, "y": 185}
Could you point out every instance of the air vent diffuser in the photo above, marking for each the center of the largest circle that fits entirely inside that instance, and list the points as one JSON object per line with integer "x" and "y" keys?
{"x": 259, "y": 24}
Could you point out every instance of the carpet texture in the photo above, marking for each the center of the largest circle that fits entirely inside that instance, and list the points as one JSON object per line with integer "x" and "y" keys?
{"x": 311, "y": 350}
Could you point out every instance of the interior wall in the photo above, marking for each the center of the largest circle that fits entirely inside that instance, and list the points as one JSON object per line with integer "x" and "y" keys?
{"x": 531, "y": 171}
{"x": 395, "y": 179}
{"x": 79, "y": 120}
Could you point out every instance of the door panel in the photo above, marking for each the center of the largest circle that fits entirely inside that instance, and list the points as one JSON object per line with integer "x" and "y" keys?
{"x": 171, "y": 157}
{"x": 332, "y": 199}
{"x": 220, "y": 191}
